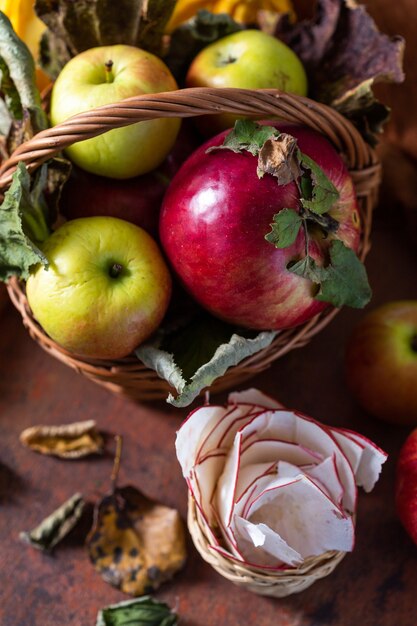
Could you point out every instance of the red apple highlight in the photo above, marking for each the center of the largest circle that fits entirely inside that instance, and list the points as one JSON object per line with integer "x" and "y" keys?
{"x": 381, "y": 362}
{"x": 214, "y": 219}
{"x": 406, "y": 486}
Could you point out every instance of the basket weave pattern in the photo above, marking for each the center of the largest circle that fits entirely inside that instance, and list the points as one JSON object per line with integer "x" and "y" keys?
{"x": 275, "y": 584}
{"x": 128, "y": 376}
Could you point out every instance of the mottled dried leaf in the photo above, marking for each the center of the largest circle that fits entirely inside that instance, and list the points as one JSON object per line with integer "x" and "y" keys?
{"x": 56, "y": 526}
{"x": 342, "y": 49}
{"x": 136, "y": 543}
{"x": 278, "y": 157}
{"x": 77, "y": 26}
{"x": 69, "y": 441}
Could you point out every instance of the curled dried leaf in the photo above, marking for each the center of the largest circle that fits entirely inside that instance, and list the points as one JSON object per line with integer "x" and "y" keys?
{"x": 56, "y": 526}
{"x": 278, "y": 156}
{"x": 136, "y": 543}
{"x": 69, "y": 441}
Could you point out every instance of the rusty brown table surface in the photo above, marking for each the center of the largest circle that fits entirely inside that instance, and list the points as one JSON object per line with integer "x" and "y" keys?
{"x": 376, "y": 585}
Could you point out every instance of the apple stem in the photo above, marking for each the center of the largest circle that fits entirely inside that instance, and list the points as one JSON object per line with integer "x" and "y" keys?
{"x": 115, "y": 270}
{"x": 109, "y": 73}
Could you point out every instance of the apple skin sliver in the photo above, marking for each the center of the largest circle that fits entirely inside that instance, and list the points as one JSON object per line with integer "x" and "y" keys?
{"x": 316, "y": 527}
{"x": 264, "y": 546}
{"x": 365, "y": 457}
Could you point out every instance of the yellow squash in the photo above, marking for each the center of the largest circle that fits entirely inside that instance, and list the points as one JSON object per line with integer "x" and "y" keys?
{"x": 28, "y": 27}
{"x": 245, "y": 11}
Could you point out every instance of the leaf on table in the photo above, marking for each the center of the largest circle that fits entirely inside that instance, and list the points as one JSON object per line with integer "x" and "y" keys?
{"x": 77, "y": 26}
{"x": 344, "y": 53}
{"x": 22, "y": 224}
{"x": 191, "y": 37}
{"x": 198, "y": 354}
{"x": 135, "y": 543}
{"x": 56, "y": 526}
{"x": 18, "y": 78}
{"x": 144, "y": 611}
{"x": 69, "y": 441}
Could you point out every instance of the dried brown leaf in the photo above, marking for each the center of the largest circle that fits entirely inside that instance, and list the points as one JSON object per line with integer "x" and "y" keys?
{"x": 136, "y": 543}
{"x": 69, "y": 441}
{"x": 278, "y": 156}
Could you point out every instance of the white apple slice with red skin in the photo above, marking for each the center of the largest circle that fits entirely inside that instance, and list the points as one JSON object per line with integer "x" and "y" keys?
{"x": 326, "y": 477}
{"x": 254, "y": 397}
{"x": 365, "y": 457}
{"x": 315, "y": 527}
{"x": 262, "y": 541}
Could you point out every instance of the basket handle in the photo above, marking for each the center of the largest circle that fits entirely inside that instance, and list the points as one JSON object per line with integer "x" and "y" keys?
{"x": 190, "y": 103}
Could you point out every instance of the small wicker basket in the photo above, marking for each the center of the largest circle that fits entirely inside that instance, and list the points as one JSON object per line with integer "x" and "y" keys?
{"x": 128, "y": 376}
{"x": 265, "y": 583}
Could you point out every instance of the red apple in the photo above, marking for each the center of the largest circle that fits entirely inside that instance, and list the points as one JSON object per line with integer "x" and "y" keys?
{"x": 214, "y": 219}
{"x": 381, "y": 362}
{"x": 406, "y": 486}
{"x": 137, "y": 200}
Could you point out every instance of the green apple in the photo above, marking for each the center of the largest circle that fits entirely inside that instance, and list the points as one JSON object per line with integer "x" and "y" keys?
{"x": 106, "y": 289}
{"x": 249, "y": 59}
{"x": 106, "y": 75}
{"x": 381, "y": 362}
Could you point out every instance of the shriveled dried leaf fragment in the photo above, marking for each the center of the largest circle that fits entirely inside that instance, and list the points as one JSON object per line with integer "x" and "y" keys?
{"x": 69, "y": 441}
{"x": 56, "y": 526}
{"x": 278, "y": 156}
{"x": 136, "y": 543}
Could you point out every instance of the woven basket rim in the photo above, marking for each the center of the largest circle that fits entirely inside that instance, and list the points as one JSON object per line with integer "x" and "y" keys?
{"x": 128, "y": 375}
{"x": 281, "y": 582}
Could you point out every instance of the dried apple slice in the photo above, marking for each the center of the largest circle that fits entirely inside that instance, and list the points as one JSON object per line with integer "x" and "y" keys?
{"x": 255, "y": 398}
{"x": 304, "y": 517}
{"x": 326, "y": 477}
{"x": 264, "y": 546}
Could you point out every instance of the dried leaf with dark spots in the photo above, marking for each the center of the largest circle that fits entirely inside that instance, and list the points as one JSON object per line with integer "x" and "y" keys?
{"x": 278, "y": 157}
{"x": 69, "y": 441}
{"x": 136, "y": 543}
{"x": 56, "y": 526}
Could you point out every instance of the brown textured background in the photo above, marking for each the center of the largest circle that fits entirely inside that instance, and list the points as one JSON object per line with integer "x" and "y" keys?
{"x": 374, "y": 586}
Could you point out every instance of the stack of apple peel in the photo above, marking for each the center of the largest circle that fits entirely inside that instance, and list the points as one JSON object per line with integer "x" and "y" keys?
{"x": 274, "y": 487}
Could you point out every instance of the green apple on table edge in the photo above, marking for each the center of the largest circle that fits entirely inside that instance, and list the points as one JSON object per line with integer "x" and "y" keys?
{"x": 107, "y": 75}
{"x": 106, "y": 289}
{"x": 248, "y": 59}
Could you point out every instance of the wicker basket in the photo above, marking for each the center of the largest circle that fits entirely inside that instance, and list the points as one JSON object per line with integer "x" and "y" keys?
{"x": 275, "y": 584}
{"x": 128, "y": 376}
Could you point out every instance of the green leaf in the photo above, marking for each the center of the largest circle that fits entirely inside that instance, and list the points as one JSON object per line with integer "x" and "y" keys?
{"x": 323, "y": 193}
{"x": 247, "y": 135}
{"x": 56, "y": 526}
{"x": 21, "y": 224}
{"x": 285, "y": 228}
{"x": 18, "y": 78}
{"x": 205, "y": 349}
{"x": 189, "y": 38}
{"x": 144, "y": 611}
{"x": 345, "y": 281}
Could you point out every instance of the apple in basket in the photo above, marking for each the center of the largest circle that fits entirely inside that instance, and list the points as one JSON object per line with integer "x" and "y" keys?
{"x": 106, "y": 75}
{"x": 105, "y": 290}
{"x": 216, "y": 224}
{"x": 249, "y": 59}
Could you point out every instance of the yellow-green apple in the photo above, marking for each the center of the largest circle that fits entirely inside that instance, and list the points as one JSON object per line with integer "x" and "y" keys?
{"x": 214, "y": 219}
{"x": 249, "y": 59}
{"x": 381, "y": 362}
{"x": 106, "y": 289}
{"x": 106, "y": 75}
{"x": 406, "y": 485}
